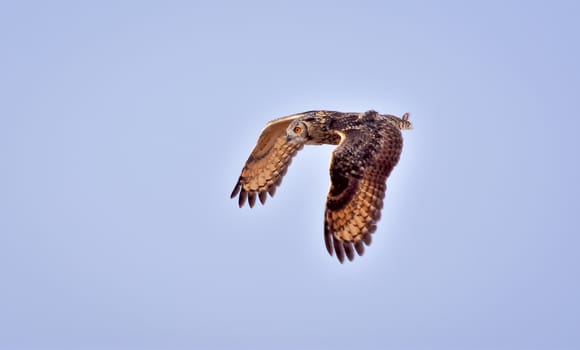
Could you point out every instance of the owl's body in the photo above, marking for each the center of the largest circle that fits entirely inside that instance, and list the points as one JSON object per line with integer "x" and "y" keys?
{"x": 369, "y": 146}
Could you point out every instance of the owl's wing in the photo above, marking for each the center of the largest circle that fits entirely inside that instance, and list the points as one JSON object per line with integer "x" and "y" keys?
{"x": 267, "y": 163}
{"x": 359, "y": 169}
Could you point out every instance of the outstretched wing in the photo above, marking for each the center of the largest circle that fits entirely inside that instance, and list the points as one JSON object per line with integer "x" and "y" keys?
{"x": 359, "y": 169}
{"x": 267, "y": 163}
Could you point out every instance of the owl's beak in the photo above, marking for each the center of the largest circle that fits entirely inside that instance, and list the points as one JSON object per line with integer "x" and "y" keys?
{"x": 288, "y": 138}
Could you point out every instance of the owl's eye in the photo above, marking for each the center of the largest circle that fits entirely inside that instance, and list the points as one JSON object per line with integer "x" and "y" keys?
{"x": 297, "y": 129}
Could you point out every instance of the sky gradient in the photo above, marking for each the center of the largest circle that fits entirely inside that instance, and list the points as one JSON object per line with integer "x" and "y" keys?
{"x": 124, "y": 126}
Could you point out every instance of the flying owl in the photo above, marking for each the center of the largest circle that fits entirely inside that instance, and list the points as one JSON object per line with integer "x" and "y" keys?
{"x": 368, "y": 148}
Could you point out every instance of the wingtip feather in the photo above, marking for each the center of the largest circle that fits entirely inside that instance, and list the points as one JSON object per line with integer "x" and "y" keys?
{"x": 348, "y": 250}
{"x": 328, "y": 241}
{"x": 263, "y": 195}
{"x": 251, "y": 198}
{"x": 360, "y": 248}
{"x": 339, "y": 249}
{"x": 236, "y": 190}
{"x": 242, "y": 199}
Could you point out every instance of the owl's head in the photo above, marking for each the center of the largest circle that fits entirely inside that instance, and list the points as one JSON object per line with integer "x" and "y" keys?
{"x": 297, "y": 132}
{"x": 312, "y": 128}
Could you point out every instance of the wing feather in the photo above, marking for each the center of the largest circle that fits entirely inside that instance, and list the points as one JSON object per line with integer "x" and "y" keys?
{"x": 359, "y": 169}
{"x": 267, "y": 163}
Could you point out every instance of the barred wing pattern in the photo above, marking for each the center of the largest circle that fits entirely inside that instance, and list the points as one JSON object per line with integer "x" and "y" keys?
{"x": 358, "y": 171}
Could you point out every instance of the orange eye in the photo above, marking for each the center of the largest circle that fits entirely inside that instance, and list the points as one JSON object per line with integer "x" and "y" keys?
{"x": 297, "y": 129}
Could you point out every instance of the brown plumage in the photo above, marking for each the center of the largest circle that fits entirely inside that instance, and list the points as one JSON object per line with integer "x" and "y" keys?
{"x": 369, "y": 146}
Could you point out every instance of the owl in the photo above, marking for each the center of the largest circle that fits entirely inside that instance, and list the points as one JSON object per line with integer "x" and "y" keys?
{"x": 368, "y": 148}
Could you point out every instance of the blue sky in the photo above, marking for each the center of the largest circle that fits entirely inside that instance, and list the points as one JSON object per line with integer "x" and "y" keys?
{"x": 124, "y": 126}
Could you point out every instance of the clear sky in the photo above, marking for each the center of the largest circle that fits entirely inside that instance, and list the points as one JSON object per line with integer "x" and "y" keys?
{"x": 124, "y": 126}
